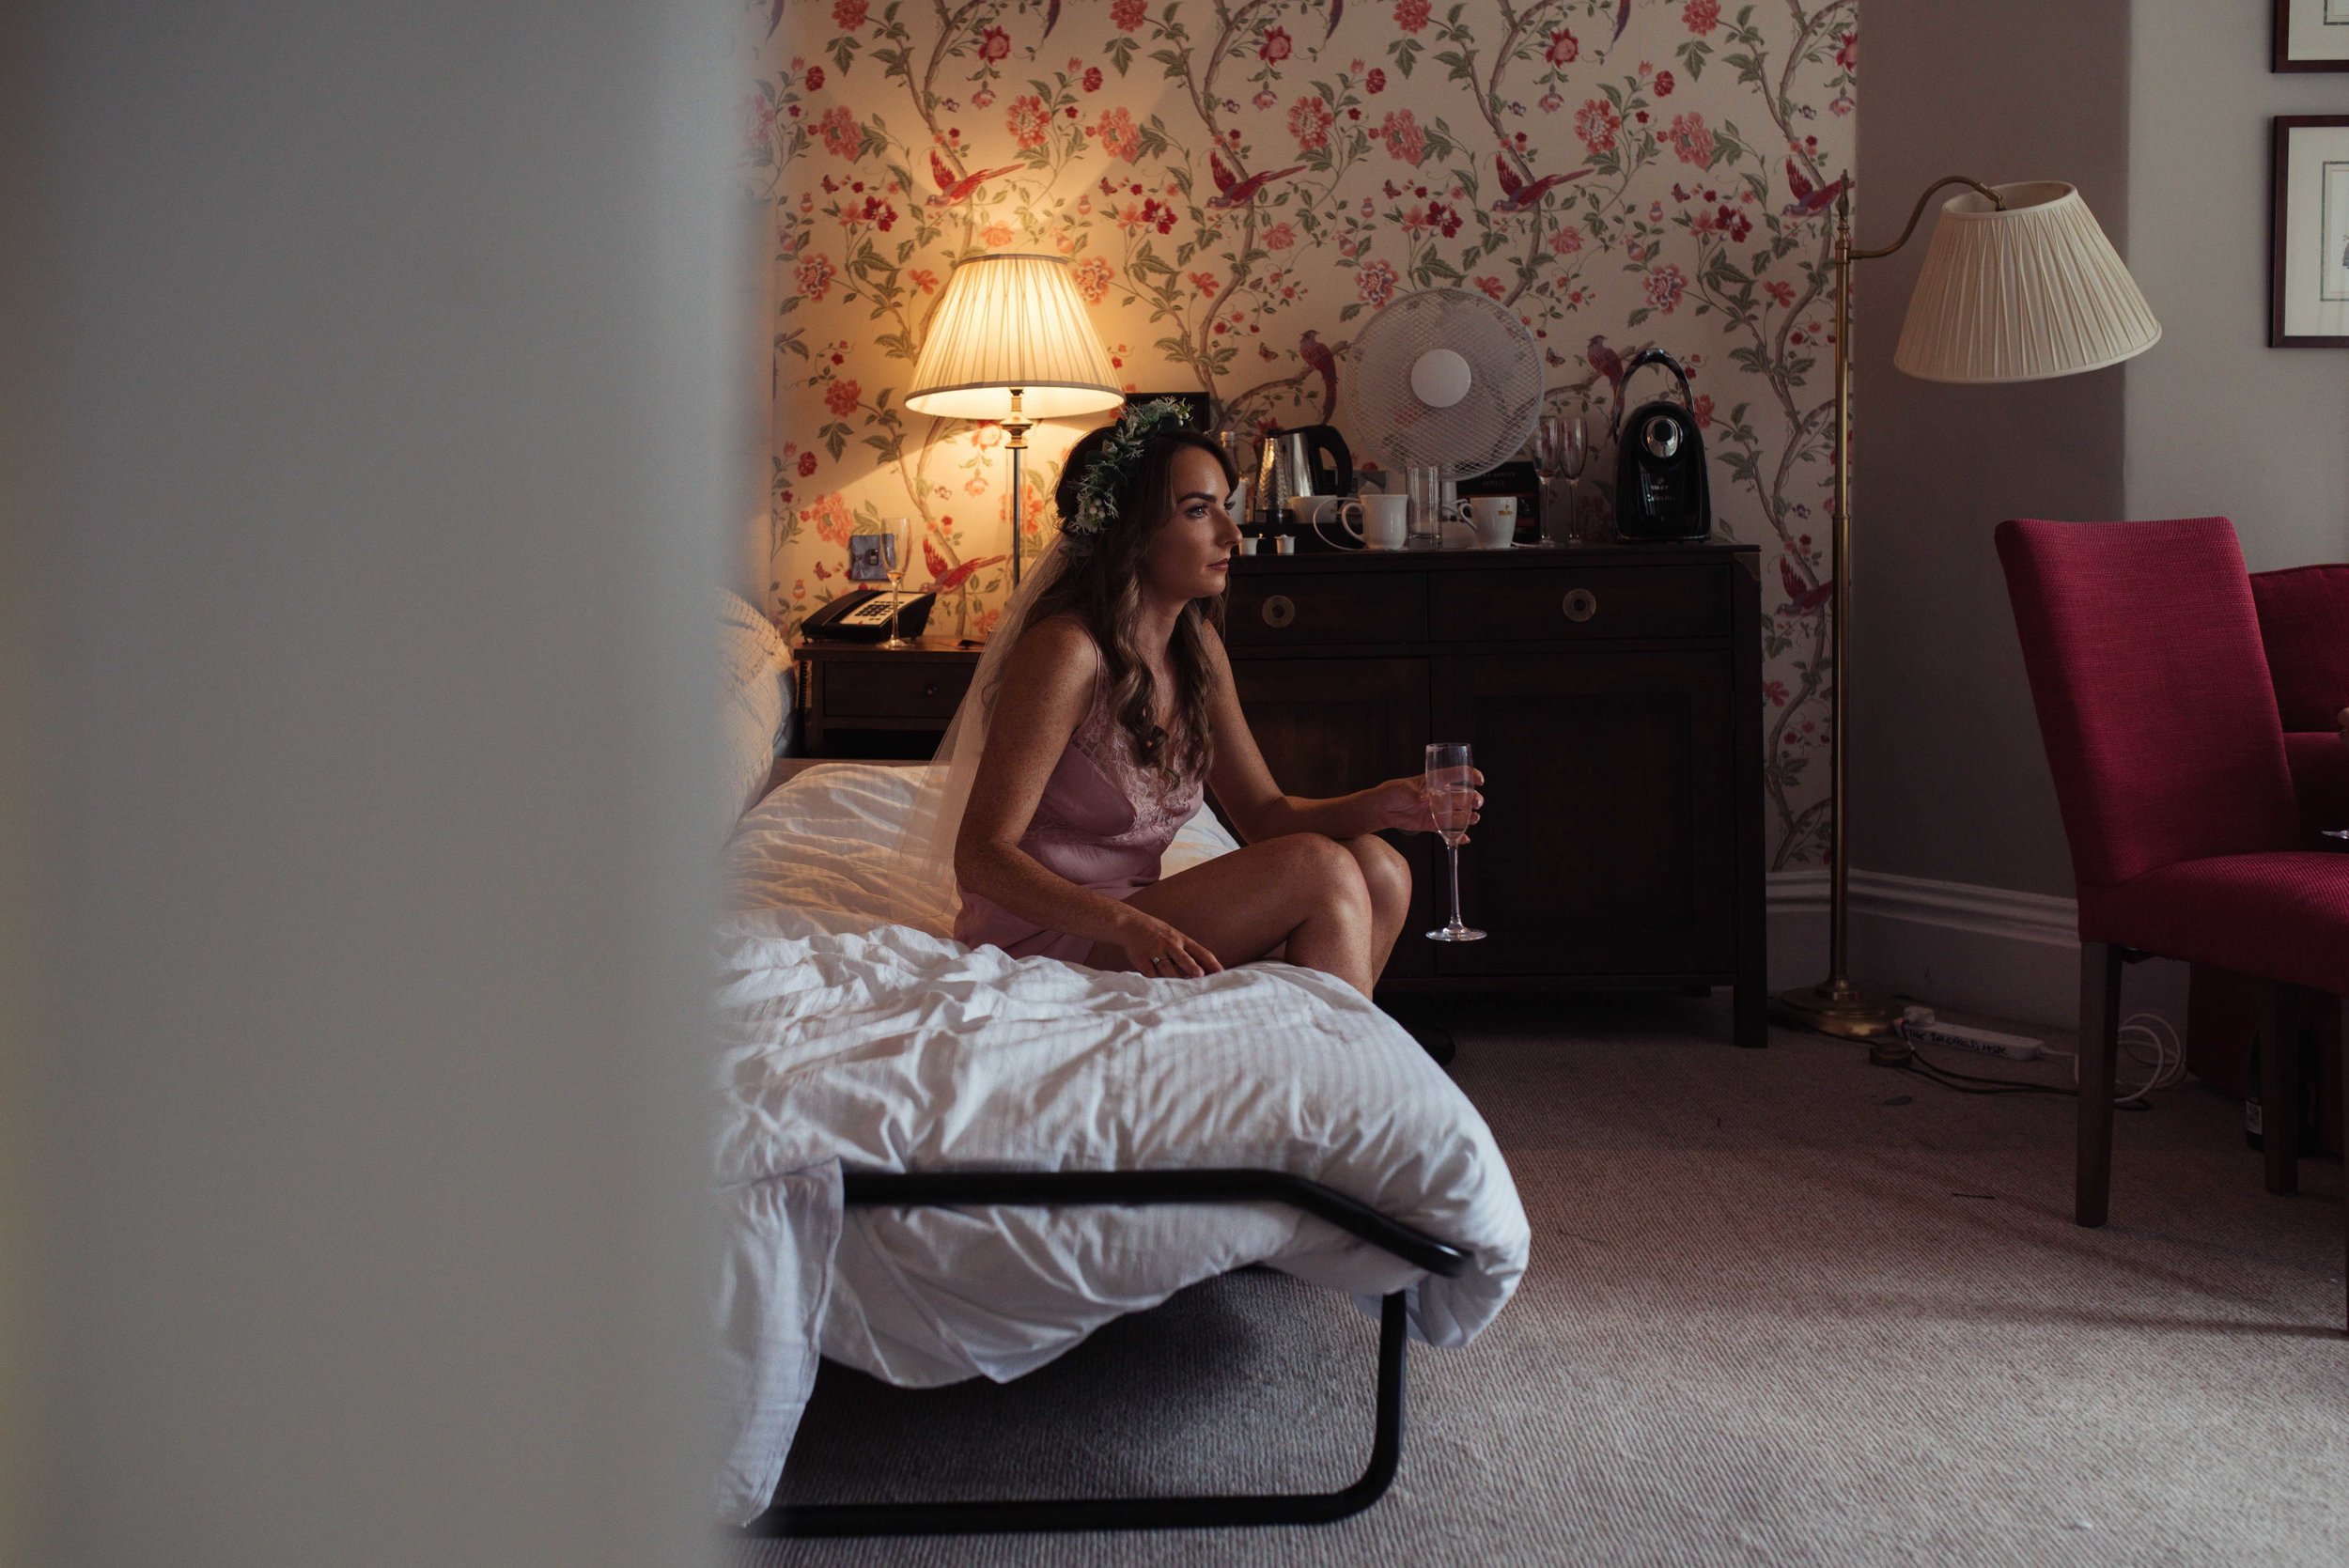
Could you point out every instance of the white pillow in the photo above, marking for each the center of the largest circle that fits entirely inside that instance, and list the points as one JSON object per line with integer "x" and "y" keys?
{"x": 825, "y": 843}
{"x": 754, "y": 679}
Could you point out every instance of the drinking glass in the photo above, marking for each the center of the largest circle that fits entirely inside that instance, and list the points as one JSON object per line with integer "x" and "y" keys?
{"x": 896, "y": 554}
{"x": 1451, "y": 801}
{"x": 1561, "y": 449}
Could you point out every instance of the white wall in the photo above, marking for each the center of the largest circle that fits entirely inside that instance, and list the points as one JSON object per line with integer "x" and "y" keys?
{"x": 2219, "y": 423}
{"x": 386, "y": 368}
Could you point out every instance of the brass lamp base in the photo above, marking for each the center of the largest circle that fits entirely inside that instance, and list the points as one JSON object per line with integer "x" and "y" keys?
{"x": 1840, "y": 1008}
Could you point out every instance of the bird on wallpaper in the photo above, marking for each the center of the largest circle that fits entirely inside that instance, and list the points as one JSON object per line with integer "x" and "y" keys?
{"x": 1609, "y": 364}
{"x": 774, "y": 19}
{"x": 947, "y": 581}
{"x": 1052, "y": 14}
{"x": 1809, "y": 202}
{"x": 954, "y": 191}
{"x": 1517, "y": 194}
{"x": 1623, "y": 19}
{"x": 1235, "y": 192}
{"x": 1316, "y": 355}
{"x": 1337, "y": 9}
{"x": 1801, "y": 597}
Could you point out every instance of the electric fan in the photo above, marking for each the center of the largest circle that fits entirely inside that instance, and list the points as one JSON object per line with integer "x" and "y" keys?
{"x": 1445, "y": 376}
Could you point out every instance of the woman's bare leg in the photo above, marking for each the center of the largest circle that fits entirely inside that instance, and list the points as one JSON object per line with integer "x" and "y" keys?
{"x": 1300, "y": 894}
{"x": 1387, "y": 875}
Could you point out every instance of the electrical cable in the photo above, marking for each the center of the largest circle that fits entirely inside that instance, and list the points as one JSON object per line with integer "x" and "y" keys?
{"x": 2146, "y": 1039}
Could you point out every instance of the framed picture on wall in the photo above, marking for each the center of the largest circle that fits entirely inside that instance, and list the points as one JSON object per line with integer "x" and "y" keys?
{"x": 2308, "y": 279}
{"x": 2313, "y": 35}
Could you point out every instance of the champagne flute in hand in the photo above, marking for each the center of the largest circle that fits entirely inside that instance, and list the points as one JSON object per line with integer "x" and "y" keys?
{"x": 896, "y": 554}
{"x": 1450, "y": 785}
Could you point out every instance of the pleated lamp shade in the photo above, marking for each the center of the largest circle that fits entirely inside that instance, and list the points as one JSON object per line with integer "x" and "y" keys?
{"x": 2022, "y": 294}
{"x": 1012, "y": 322}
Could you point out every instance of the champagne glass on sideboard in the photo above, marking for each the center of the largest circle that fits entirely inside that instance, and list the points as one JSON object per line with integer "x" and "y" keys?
{"x": 1574, "y": 458}
{"x": 1449, "y": 781}
{"x": 1550, "y": 456}
{"x": 896, "y": 554}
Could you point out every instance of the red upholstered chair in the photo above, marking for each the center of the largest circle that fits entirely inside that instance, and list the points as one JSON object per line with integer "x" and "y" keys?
{"x": 2160, "y": 723}
{"x": 2304, "y": 624}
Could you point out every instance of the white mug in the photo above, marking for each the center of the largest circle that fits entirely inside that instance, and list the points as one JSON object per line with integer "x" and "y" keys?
{"x": 1248, "y": 546}
{"x": 1379, "y": 521}
{"x": 1496, "y": 518}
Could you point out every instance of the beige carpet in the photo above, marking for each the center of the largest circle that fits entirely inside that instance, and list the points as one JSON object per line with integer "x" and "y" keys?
{"x": 1783, "y": 1307}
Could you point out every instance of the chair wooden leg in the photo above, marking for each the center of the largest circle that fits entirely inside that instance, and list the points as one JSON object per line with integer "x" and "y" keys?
{"x": 2279, "y": 1083}
{"x": 2099, "y": 1043}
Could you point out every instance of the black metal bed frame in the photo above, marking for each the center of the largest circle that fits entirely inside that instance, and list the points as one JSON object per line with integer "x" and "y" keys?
{"x": 1134, "y": 1189}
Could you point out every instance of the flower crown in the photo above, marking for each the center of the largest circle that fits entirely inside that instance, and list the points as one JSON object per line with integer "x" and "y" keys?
{"x": 1112, "y": 465}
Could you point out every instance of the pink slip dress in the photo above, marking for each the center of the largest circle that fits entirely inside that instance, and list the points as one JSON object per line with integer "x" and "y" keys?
{"x": 1103, "y": 823}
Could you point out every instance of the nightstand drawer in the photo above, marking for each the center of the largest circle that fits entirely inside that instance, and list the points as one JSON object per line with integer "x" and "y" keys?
{"x": 902, "y": 688}
{"x": 1576, "y": 603}
{"x": 1281, "y": 610}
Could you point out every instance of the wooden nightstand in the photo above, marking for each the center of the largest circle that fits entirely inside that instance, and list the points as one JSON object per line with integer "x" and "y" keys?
{"x": 857, "y": 700}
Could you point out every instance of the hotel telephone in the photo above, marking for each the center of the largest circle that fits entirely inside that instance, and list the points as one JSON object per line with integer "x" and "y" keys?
{"x": 862, "y": 616}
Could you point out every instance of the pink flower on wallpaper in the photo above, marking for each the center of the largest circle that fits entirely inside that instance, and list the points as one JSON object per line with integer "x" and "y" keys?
{"x": 1205, "y": 283}
{"x": 995, "y": 234}
{"x": 1492, "y": 286}
{"x": 830, "y": 515}
{"x": 1782, "y": 291}
{"x": 924, "y": 279}
{"x": 1566, "y": 242}
{"x": 1405, "y": 142}
{"x": 1028, "y": 122}
{"x": 1446, "y": 220}
{"x": 1691, "y": 138}
{"x": 807, "y": 465}
{"x": 1702, "y": 16}
{"x": 1093, "y": 279}
{"x": 1664, "y": 83}
{"x": 994, "y": 44}
{"x": 1703, "y": 409}
{"x": 814, "y": 80}
{"x": 1375, "y": 282}
{"x": 1564, "y": 48}
{"x": 1665, "y": 285}
{"x": 1597, "y": 123}
{"x": 1118, "y": 135}
{"x": 848, "y": 15}
{"x": 839, "y": 130}
{"x": 1847, "y": 54}
{"x": 1410, "y": 15}
{"x": 1277, "y": 45}
{"x": 1093, "y": 79}
{"x": 1280, "y": 236}
{"x": 1839, "y": 107}
{"x": 1551, "y": 103}
{"x": 813, "y": 276}
{"x": 1129, "y": 14}
{"x": 1266, "y": 97}
{"x": 1376, "y": 82}
{"x": 1310, "y": 120}
{"x": 761, "y": 127}
{"x": 841, "y": 398}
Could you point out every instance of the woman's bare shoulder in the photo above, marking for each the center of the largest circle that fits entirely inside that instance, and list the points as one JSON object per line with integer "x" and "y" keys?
{"x": 1054, "y": 657}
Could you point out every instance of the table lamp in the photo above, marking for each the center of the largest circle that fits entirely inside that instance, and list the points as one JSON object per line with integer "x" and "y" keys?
{"x": 2019, "y": 285}
{"x": 1010, "y": 342}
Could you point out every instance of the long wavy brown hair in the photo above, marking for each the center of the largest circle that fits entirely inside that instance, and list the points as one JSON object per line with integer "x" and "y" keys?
{"x": 1101, "y": 587}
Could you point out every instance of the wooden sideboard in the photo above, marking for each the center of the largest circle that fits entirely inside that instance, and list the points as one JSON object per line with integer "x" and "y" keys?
{"x": 1613, "y": 695}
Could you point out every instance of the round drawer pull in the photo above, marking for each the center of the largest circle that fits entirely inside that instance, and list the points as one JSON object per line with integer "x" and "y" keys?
{"x": 1278, "y": 611}
{"x": 931, "y": 691}
{"x": 1581, "y": 604}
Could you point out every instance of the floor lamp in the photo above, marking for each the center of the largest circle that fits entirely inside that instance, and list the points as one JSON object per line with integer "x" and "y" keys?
{"x": 2019, "y": 285}
{"x": 1010, "y": 342}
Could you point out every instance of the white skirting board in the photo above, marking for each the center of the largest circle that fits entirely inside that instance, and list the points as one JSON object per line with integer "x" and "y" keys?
{"x": 1950, "y": 944}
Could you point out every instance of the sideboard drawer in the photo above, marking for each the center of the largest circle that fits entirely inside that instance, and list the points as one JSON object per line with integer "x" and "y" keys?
{"x": 1282, "y": 611}
{"x": 893, "y": 689}
{"x": 1577, "y": 603}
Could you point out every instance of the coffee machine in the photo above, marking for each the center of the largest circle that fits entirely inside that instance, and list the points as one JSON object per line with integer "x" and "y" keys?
{"x": 1661, "y": 489}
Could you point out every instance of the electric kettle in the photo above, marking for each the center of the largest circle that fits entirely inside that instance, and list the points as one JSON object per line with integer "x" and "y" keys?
{"x": 1662, "y": 491}
{"x": 1311, "y": 460}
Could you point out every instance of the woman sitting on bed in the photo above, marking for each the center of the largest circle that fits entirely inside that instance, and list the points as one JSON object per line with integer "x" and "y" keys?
{"x": 1108, "y": 712}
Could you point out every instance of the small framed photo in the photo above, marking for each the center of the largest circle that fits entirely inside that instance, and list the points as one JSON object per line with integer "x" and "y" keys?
{"x": 2313, "y": 35}
{"x": 2309, "y": 282}
{"x": 870, "y": 556}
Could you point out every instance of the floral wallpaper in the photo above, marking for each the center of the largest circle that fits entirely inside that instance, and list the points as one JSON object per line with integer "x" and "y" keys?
{"x": 1238, "y": 182}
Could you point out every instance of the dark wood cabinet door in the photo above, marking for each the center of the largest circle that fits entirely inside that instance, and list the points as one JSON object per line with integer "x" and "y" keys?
{"x": 1608, "y": 842}
{"x": 1331, "y": 726}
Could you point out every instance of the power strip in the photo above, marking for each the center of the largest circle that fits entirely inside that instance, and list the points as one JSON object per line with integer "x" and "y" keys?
{"x": 1921, "y": 1028}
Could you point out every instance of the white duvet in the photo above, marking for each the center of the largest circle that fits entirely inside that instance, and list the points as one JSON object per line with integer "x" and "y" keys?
{"x": 878, "y": 1046}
